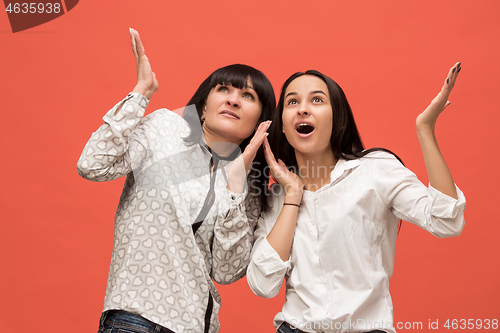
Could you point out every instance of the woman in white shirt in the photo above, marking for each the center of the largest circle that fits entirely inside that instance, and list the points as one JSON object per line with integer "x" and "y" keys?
{"x": 331, "y": 230}
{"x": 184, "y": 217}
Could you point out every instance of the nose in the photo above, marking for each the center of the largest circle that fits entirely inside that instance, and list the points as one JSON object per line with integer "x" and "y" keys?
{"x": 304, "y": 113}
{"x": 233, "y": 100}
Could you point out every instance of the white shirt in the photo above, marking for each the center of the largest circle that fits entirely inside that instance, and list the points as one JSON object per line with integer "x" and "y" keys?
{"x": 160, "y": 269}
{"x": 337, "y": 277}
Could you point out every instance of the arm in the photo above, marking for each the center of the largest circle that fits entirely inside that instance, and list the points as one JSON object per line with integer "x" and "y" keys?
{"x": 439, "y": 175}
{"x": 266, "y": 270}
{"x": 233, "y": 230}
{"x": 410, "y": 200}
{"x": 233, "y": 237}
{"x": 106, "y": 155}
{"x": 280, "y": 237}
{"x": 146, "y": 84}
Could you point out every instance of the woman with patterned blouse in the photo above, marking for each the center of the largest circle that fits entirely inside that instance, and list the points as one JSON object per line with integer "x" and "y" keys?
{"x": 184, "y": 216}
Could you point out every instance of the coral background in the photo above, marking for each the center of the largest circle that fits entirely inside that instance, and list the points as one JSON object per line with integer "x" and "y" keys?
{"x": 391, "y": 58}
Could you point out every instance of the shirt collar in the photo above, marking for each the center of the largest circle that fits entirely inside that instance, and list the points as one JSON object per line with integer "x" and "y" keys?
{"x": 342, "y": 166}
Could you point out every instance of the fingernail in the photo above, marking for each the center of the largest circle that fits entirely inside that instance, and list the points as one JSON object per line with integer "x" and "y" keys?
{"x": 453, "y": 70}
{"x": 459, "y": 70}
{"x": 447, "y": 81}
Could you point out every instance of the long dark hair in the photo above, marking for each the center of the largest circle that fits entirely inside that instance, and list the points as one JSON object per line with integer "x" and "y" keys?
{"x": 236, "y": 75}
{"x": 345, "y": 140}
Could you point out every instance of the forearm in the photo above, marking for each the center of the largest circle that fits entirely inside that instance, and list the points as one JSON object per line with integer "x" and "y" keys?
{"x": 233, "y": 238}
{"x": 105, "y": 156}
{"x": 281, "y": 235}
{"x": 140, "y": 89}
{"x": 437, "y": 170}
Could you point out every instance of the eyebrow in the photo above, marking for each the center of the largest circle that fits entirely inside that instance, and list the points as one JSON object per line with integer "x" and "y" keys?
{"x": 312, "y": 92}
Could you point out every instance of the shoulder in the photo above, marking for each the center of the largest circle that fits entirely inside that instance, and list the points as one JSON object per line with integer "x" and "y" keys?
{"x": 379, "y": 154}
{"x": 165, "y": 122}
{"x": 380, "y": 158}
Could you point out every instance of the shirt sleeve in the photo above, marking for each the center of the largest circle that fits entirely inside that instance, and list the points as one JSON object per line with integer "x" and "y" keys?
{"x": 233, "y": 235}
{"x": 266, "y": 270}
{"x": 107, "y": 154}
{"x": 426, "y": 207}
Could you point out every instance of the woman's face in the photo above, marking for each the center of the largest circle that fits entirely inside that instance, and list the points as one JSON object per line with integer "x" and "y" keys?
{"x": 307, "y": 115}
{"x": 231, "y": 114}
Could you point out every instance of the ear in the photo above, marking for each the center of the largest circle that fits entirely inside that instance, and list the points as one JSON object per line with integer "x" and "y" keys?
{"x": 204, "y": 112}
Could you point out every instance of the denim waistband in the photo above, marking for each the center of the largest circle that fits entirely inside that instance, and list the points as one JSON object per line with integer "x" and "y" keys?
{"x": 131, "y": 321}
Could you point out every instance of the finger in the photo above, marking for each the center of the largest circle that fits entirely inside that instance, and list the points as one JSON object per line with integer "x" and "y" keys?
{"x": 257, "y": 139}
{"x": 268, "y": 154}
{"x": 282, "y": 164}
{"x": 132, "y": 42}
{"x": 138, "y": 42}
{"x": 447, "y": 103}
{"x": 261, "y": 132}
{"x": 453, "y": 74}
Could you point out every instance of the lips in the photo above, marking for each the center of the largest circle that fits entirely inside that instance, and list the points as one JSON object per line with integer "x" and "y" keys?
{"x": 304, "y": 128}
{"x": 229, "y": 114}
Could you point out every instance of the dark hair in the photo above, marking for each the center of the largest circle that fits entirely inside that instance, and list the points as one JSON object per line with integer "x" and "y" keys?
{"x": 345, "y": 140}
{"x": 236, "y": 75}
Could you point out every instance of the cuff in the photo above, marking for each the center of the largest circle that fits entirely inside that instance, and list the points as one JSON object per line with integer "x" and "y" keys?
{"x": 444, "y": 206}
{"x": 268, "y": 260}
{"x": 133, "y": 106}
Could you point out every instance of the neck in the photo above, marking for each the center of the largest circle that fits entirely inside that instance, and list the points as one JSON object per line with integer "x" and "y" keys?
{"x": 315, "y": 169}
{"x": 220, "y": 145}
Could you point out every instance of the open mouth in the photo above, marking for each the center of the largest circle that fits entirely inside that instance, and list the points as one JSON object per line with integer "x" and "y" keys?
{"x": 304, "y": 128}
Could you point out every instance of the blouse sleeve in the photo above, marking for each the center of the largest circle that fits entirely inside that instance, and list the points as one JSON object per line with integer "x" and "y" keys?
{"x": 412, "y": 201}
{"x": 108, "y": 154}
{"x": 266, "y": 270}
{"x": 233, "y": 234}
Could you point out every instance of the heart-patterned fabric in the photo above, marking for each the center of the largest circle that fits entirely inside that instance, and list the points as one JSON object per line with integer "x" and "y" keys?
{"x": 159, "y": 268}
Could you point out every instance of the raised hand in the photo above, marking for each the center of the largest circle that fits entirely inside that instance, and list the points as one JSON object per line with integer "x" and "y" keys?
{"x": 147, "y": 84}
{"x": 439, "y": 175}
{"x": 238, "y": 171}
{"x": 427, "y": 119}
{"x": 290, "y": 182}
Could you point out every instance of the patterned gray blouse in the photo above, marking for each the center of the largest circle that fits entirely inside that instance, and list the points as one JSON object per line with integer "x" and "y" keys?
{"x": 177, "y": 226}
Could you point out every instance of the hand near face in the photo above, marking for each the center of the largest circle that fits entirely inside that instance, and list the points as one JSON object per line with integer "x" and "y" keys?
{"x": 147, "y": 84}
{"x": 290, "y": 182}
{"x": 238, "y": 171}
{"x": 427, "y": 119}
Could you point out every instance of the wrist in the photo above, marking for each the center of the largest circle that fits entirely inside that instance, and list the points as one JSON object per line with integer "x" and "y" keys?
{"x": 143, "y": 90}
{"x": 293, "y": 198}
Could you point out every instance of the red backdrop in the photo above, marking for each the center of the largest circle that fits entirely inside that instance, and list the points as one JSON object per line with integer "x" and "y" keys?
{"x": 390, "y": 56}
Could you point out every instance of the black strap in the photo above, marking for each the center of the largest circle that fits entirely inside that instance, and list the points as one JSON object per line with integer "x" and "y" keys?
{"x": 209, "y": 199}
{"x": 208, "y": 314}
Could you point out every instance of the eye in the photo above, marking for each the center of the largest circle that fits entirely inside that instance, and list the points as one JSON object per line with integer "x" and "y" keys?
{"x": 291, "y": 101}
{"x": 248, "y": 96}
{"x": 223, "y": 89}
{"x": 317, "y": 100}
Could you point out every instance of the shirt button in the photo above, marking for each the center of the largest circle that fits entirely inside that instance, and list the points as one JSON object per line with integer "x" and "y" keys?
{"x": 233, "y": 197}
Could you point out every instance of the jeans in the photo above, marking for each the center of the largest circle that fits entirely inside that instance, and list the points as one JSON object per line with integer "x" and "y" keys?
{"x": 117, "y": 321}
{"x": 284, "y": 328}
